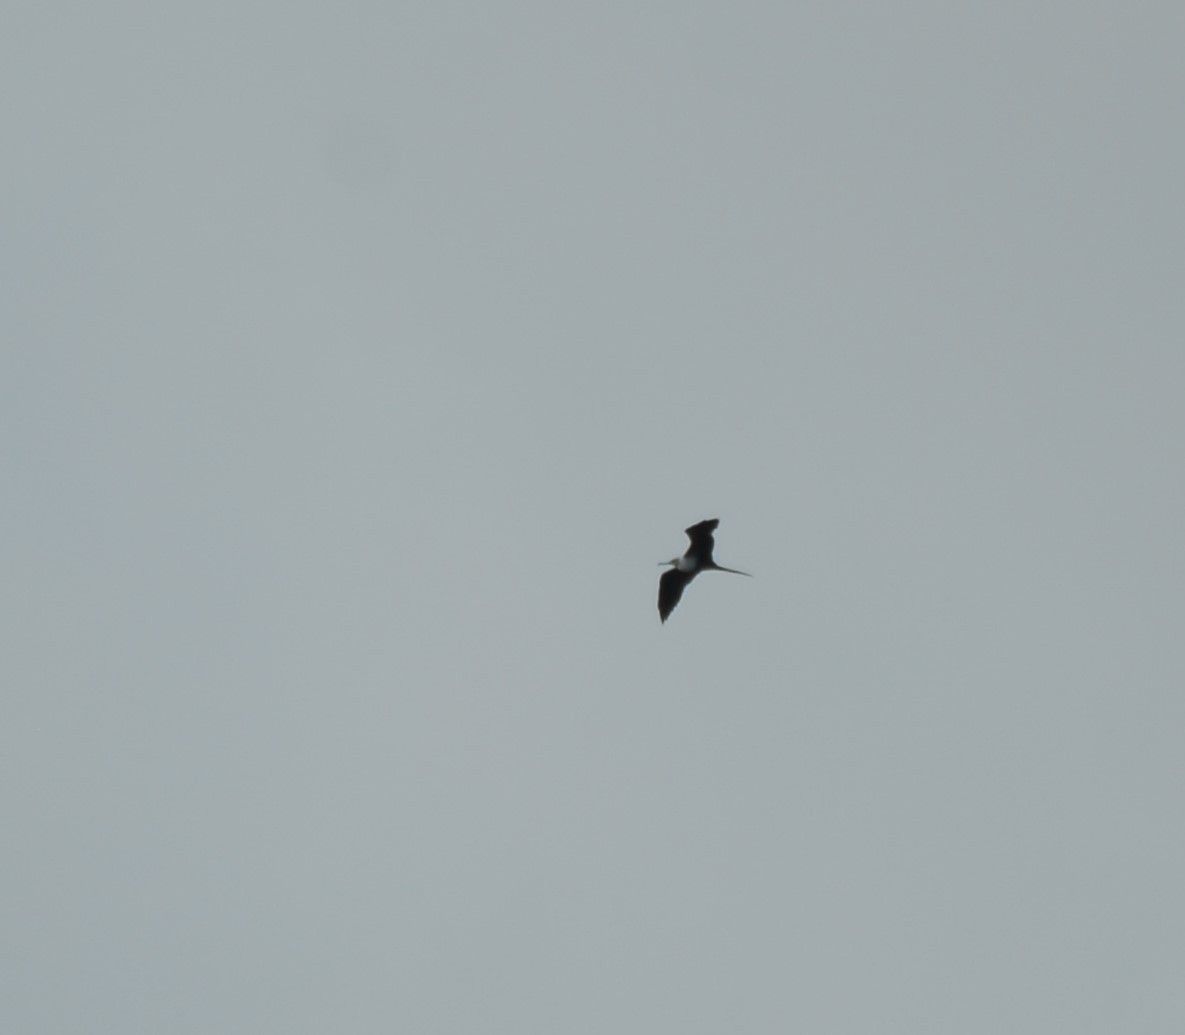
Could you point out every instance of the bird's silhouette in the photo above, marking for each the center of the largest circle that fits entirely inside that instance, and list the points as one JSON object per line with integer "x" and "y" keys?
{"x": 697, "y": 558}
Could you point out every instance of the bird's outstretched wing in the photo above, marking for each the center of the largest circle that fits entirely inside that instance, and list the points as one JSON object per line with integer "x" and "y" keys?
{"x": 701, "y": 538}
{"x": 670, "y": 589}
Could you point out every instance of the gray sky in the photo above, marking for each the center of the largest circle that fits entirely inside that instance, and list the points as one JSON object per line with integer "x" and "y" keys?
{"x": 360, "y": 360}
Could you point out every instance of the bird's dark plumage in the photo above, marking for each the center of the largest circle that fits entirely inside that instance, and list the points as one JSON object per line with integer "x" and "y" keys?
{"x": 670, "y": 589}
{"x": 702, "y": 540}
{"x": 697, "y": 558}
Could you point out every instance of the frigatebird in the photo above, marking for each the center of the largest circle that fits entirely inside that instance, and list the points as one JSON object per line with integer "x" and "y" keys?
{"x": 697, "y": 558}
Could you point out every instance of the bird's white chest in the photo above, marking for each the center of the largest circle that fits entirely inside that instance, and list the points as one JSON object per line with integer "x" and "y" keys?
{"x": 687, "y": 564}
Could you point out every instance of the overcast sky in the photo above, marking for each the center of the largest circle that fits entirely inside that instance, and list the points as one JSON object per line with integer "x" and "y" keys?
{"x": 358, "y": 363}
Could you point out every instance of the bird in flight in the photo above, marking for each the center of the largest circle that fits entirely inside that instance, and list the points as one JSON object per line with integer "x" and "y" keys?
{"x": 697, "y": 558}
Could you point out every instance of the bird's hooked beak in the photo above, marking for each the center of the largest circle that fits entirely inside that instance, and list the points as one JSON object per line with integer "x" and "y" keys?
{"x": 673, "y": 561}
